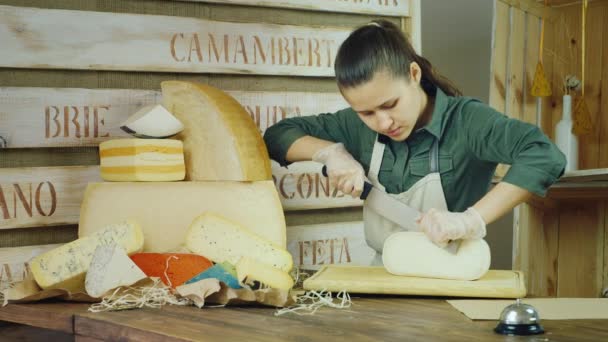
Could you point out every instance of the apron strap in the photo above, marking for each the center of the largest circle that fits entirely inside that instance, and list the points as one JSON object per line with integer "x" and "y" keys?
{"x": 374, "y": 166}
{"x": 434, "y": 156}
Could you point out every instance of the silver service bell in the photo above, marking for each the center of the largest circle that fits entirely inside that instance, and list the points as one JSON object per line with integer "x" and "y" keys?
{"x": 519, "y": 319}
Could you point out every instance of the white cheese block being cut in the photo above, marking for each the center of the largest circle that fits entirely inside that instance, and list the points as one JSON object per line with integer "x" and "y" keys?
{"x": 248, "y": 269}
{"x": 220, "y": 240}
{"x": 147, "y": 160}
{"x": 221, "y": 141}
{"x": 152, "y": 122}
{"x": 65, "y": 267}
{"x": 413, "y": 254}
{"x": 110, "y": 268}
{"x": 166, "y": 209}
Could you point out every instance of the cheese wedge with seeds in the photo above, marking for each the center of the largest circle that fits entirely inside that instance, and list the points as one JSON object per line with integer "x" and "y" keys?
{"x": 220, "y": 239}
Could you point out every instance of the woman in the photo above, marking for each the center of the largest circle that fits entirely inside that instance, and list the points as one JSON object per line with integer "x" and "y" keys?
{"x": 413, "y": 135}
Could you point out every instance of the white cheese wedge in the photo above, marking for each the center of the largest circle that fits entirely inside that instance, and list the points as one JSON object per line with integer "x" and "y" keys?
{"x": 220, "y": 239}
{"x": 65, "y": 267}
{"x": 413, "y": 254}
{"x": 221, "y": 141}
{"x": 110, "y": 268}
{"x": 248, "y": 269}
{"x": 132, "y": 160}
{"x": 165, "y": 210}
{"x": 153, "y": 121}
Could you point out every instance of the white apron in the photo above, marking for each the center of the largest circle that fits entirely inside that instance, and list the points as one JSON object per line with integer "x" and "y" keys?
{"x": 425, "y": 194}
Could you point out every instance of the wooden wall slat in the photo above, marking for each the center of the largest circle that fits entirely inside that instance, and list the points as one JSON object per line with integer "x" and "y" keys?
{"x": 581, "y": 249}
{"x": 538, "y": 249}
{"x": 547, "y": 123}
{"x": 532, "y": 38}
{"x": 13, "y": 262}
{"x": 34, "y": 197}
{"x": 393, "y": 8}
{"x": 131, "y": 42}
{"x": 500, "y": 39}
{"x": 58, "y": 117}
{"x": 335, "y": 243}
{"x": 500, "y": 64}
{"x": 602, "y": 118}
{"x": 589, "y": 144}
{"x": 515, "y": 97}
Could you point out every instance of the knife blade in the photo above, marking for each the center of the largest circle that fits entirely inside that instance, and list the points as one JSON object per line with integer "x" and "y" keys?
{"x": 395, "y": 211}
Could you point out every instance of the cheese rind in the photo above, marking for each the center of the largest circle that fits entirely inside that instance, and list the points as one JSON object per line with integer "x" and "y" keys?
{"x": 166, "y": 209}
{"x": 220, "y": 273}
{"x": 152, "y": 160}
{"x": 413, "y": 254}
{"x": 220, "y": 239}
{"x": 249, "y": 269}
{"x": 65, "y": 267}
{"x": 173, "y": 269}
{"x": 110, "y": 268}
{"x": 221, "y": 141}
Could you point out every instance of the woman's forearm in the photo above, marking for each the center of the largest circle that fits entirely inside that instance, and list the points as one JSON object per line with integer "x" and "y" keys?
{"x": 305, "y": 147}
{"x": 500, "y": 200}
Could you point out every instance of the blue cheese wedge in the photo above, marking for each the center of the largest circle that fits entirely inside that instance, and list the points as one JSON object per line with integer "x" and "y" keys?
{"x": 65, "y": 267}
{"x": 110, "y": 268}
{"x": 220, "y": 240}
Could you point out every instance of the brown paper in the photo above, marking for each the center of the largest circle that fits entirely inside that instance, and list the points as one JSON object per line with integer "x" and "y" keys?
{"x": 207, "y": 291}
{"x": 27, "y": 291}
{"x": 197, "y": 292}
{"x": 547, "y": 308}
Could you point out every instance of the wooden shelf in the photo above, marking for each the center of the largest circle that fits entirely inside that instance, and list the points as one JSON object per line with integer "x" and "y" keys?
{"x": 585, "y": 175}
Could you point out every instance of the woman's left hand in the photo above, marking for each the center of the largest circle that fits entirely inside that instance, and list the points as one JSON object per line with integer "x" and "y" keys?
{"x": 443, "y": 226}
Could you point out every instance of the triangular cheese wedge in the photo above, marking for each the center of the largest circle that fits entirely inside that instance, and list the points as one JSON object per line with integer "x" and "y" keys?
{"x": 582, "y": 118}
{"x": 110, "y": 268}
{"x": 540, "y": 86}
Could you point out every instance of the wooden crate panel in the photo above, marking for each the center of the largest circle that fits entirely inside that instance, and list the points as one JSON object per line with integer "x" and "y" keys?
{"x": 66, "y": 39}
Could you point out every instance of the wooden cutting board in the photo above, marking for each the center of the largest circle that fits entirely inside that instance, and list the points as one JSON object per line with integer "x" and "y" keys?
{"x": 376, "y": 280}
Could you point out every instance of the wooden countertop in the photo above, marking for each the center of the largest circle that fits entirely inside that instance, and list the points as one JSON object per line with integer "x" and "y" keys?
{"x": 377, "y": 318}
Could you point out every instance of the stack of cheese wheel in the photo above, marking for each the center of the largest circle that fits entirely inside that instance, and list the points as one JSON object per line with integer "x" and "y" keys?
{"x": 227, "y": 185}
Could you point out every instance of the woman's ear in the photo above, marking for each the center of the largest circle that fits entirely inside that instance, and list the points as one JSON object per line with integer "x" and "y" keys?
{"x": 415, "y": 72}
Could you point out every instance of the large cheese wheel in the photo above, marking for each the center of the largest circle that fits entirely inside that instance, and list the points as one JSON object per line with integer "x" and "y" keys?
{"x": 165, "y": 210}
{"x": 413, "y": 254}
{"x": 221, "y": 141}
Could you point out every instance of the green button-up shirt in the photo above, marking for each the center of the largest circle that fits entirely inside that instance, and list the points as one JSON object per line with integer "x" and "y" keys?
{"x": 473, "y": 138}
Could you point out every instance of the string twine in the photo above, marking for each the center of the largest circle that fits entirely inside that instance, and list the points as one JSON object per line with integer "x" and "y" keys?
{"x": 311, "y": 301}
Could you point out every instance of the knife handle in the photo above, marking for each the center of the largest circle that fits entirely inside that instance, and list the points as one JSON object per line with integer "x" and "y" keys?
{"x": 367, "y": 186}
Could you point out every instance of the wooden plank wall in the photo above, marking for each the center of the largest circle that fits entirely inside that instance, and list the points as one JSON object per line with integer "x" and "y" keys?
{"x": 88, "y": 81}
{"x": 560, "y": 246}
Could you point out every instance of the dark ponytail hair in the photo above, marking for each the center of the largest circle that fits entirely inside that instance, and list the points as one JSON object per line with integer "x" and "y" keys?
{"x": 381, "y": 45}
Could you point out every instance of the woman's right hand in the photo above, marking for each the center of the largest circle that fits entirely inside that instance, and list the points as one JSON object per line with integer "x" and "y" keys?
{"x": 343, "y": 170}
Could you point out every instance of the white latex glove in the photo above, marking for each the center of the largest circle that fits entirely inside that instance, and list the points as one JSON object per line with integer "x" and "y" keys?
{"x": 343, "y": 170}
{"x": 443, "y": 226}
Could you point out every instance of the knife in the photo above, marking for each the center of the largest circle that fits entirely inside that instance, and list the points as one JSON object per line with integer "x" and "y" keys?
{"x": 395, "y": 211}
